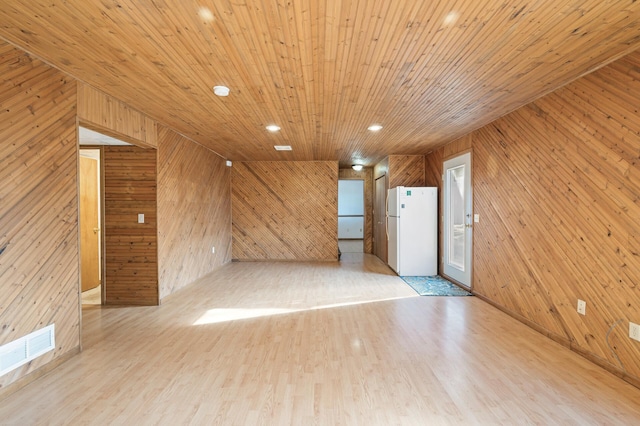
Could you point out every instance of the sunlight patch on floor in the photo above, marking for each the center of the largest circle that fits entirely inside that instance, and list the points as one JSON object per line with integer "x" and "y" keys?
{"x": 213, "y": 316}
{"x": 218, "y": 315}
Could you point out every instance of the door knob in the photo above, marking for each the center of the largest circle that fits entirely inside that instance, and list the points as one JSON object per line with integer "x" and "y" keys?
{"x": 96, "y": 230}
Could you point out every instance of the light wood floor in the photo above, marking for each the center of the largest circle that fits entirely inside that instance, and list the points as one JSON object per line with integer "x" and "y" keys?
{"x": 93, "y": 296}
{"x": 351, "y": 246}
{"x": 325, "y": 344}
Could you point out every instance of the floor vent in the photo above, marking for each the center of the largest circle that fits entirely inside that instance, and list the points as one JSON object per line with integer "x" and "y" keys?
{"x": 27, "y": 348}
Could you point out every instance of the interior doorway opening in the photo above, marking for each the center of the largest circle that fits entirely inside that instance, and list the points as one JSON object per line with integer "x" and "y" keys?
{"x": 351, "y": 215}
{"x": 90, "y": 224}
{"x": 91, "y": 213}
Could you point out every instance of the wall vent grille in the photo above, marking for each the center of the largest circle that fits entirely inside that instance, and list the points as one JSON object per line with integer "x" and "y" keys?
{"x": 27, "y": 348}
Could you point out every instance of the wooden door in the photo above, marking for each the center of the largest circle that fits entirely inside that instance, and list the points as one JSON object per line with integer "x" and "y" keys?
{"x": 89, "y": 224}
{"x": 380, "y": 219}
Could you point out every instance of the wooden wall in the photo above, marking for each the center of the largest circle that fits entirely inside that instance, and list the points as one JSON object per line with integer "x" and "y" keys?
{"x": 111, "y": 117}
{"x": 285, "y": 210}
{"x": 131, "y": 248}
{"x": 406, "y": 170}
{"x": 39, "y": 281}
{"x": 400, "y": 170}
{"x": 365, "y": 174}
{"x": 556, "y": 186}
{"x": 194, "y": 211}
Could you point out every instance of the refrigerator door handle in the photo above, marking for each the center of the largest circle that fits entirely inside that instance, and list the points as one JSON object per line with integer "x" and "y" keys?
{"x": 386, "y": 208}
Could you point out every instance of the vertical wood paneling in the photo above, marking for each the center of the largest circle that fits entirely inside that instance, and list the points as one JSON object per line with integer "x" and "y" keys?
{"x": 107, "y": 115}
{"x": 556, "y": 185}
{"x": 39, "y": 281}
{"x": 194, "y": 211}
{"x": 406, "y": 170}
{"x": 131, "y": 249}
{"x": 365, "y": 174}
{"x": 285, "y": 210}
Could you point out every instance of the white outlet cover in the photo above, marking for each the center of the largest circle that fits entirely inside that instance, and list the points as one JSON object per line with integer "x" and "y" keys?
{"x": 140, "y": 217}
{"x": 634, "y": 331}
{"x": 582, "y": 307}
{"x": 476, "y": 218}
{"x": 213, "y": 249}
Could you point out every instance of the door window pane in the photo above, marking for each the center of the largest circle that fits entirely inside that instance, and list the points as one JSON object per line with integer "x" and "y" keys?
{"x": 456, "y": 235}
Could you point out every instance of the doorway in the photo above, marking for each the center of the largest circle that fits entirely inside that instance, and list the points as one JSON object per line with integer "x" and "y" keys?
{"x": 127, "y": 224}
{"x": 90, "y": 226}
{"x": 458, "y": 220}
{"x": 351, "y": 215}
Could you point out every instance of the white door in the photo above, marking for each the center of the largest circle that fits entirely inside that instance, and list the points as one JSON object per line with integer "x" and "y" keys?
{"x": 458, "y": 219}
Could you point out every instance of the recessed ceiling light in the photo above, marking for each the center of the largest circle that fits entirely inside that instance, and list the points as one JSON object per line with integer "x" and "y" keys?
{"x": 451, "y": 18}
{"x": 206, "y": 14}
{"x": 273, "y": 128}
{"x": 283, "y": 147}
{"x": 221, "y": 90}
{"x": 375, "y": 127}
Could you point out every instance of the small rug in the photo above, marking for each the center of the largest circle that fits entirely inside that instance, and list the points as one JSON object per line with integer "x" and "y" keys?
{"x": 434, "y": 286}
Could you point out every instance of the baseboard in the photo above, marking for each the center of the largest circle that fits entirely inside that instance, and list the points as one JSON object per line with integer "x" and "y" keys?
{"x": 40, "y": 372}
{"x": 285, "y": 260}
{"x": 634, "y": 381}
{"x": 604, "y": 364}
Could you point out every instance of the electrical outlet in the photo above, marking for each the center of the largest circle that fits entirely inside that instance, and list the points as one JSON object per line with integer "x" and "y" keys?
{"x": 213, "y": 249}
{"x": 582, "y": 307}
{"x": 634, "y": 331}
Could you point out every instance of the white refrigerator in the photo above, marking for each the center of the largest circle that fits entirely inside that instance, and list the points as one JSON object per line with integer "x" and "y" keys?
{"x": 412, "y": 226}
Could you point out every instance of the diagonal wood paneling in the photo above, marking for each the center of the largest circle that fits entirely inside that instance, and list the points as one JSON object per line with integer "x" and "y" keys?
{"x": 285, "y": 210}
{"x": 365, "y": 174}
{"x": 429, "y": 71}
{"x": 406, "y": 170}
{"x": 131, "y": 248}
{"x": 194, "y": 211}
{"x": 556, "y": 185}
{"x": 39, "y": 281}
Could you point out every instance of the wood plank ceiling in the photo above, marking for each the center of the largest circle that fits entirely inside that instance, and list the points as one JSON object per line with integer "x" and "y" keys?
{"x": 428, "y": 71}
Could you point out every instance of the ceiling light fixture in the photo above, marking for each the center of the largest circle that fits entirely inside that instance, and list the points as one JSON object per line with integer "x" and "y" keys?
{"x": 283, "y": 147}
{"x": 357, "y": 167}
{"x": 451, "y": 18}
{"x": 273, "y": 128}
{"x": 221, "y": 90}
{"x": 375, "y": 127}
{"x": 206, "y": 14}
